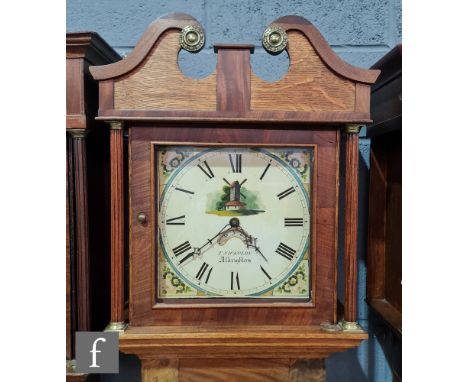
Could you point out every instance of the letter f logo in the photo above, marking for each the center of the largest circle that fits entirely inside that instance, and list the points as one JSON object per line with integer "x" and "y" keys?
{"x": 94, "y": 351}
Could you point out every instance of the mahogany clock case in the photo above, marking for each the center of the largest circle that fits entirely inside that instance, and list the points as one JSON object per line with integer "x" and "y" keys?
{"x": 148, "y": 95}
{"x": 146, "y": 309}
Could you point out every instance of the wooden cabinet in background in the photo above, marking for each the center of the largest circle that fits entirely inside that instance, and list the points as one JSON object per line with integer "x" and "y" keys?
{"x": 87, "y": 188}
{"x": 384, "y": 287}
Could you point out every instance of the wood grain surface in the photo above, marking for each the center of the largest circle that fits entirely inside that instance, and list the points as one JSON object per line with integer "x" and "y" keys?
{"x": 117, "y": 225}
{"x": 75, "y": 90}
{"x": 255, "y": 341}
{"x": 232, "y": 370}
{"x": 318, "y": 88}
{"x": 87, "y": 233}
{"x": 319, "y": 119}
{"x": 179, "y": 20}
{"x": 303, "y": 370}
{"x": 324, "y": 50}
{"x": 384, "y": 228}
{"x": 159, "y": 370}
{"x": 82, "y": 233}
{"x": 233, "y": 78}
{"x": 158, "y": 84}
{"x": 144, "y": 45}
{"x": 309, "y": 84}
{"x": 145, "y": 311}
{"x": 235, "y": 342}
{"x": 376, "y": 223}
{"x": 235, "y": 370}
{"x": 384, "y": 242}
{"x": 79, "y": 377}
{"x": 351, "y": 224}
{"x": 71, "y": 254}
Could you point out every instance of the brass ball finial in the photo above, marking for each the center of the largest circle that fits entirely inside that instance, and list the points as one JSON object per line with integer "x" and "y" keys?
{"x": 192, "y": 38}
{"x": 274, "y": 39}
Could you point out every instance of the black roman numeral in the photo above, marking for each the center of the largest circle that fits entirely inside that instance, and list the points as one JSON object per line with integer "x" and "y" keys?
{"x": 236, "y": 163}
{"x": 264, "y": 171}
{"x": 266, "y": 273}
{"x": 186, "y": 191}
{"x": 180, "y": 249}
{"x": 202, "y": 271}
{"x": 236, "y": 280}
{"x": 293, "y": 222}
{"x": 174, "y": 221}
{"x": 208, "y": 171}
{"x": 285, "y": 193}
{"x": 285, "y": 251}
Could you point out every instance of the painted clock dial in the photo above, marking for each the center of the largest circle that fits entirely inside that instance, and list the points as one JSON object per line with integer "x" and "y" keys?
{"x": 233, "y": 222}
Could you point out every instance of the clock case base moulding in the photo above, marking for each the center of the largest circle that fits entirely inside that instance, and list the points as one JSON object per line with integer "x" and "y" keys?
{"x": 236, "y": 342}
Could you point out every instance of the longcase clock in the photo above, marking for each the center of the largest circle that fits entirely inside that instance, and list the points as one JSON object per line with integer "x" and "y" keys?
{"x": 233, "y": 204}
{"x": 87, "y": 190}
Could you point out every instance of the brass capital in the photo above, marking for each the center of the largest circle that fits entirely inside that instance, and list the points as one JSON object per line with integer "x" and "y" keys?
{"x": 329, "y": 327}
{"x": 352, "y": 129}
{"x": 78, "y": 133}
{"x": 120, "y": 327}
{"x": 342, "y": 326}
{"x": 71, "y": 366}
{"x": 350, "y": 327}
{"x": 116, "y": 125}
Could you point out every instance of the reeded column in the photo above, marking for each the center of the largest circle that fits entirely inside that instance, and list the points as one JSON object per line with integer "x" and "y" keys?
{"x": 81, "y": 226}
{"x": 351, "y": 136}
{"x": 117, "y": 225}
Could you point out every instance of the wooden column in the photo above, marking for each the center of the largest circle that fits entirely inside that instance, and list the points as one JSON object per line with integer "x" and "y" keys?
{"x": 351, "y": 220}
{"x": 81, "y": 227}
{"x": 117, "y": 225}
{"x": 70, "y": 262}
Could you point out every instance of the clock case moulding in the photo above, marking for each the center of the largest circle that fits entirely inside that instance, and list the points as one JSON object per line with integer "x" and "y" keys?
{"x": 321, "y": 101}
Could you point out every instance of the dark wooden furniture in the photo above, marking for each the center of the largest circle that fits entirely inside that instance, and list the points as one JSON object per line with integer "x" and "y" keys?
{"x": 87, "y": 182}
{"x": 319, "y": 99}
{"x": 384, "y": 232}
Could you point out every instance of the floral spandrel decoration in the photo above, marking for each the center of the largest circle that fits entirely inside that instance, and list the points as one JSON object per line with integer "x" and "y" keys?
{"x": 296, "y": 284}
{"x": 299, "y": 161}
{"x": 173, "y": 285}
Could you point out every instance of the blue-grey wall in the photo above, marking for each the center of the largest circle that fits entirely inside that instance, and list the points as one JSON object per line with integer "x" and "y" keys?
{"x": 359, "y": 31}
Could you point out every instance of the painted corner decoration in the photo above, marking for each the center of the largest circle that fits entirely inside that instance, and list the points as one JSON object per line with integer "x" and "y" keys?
{"x": 234, "y": 222}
